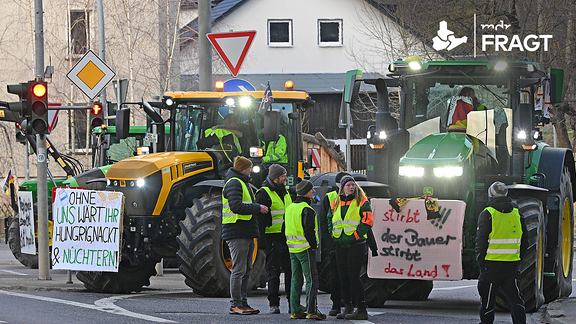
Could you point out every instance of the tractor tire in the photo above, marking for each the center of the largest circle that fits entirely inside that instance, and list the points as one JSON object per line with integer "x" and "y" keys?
{"x": 126, "y": 280}
{"x": 561, "y": 235}
{"x": 374, "y": 290}
{"x": 27, "y": 260}
{"x": 532, "y": 265}
{"x": 414, "y": 290}
{"x": 204, "y": 257}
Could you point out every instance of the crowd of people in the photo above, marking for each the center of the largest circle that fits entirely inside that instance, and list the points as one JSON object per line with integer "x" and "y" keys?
{"x": 288, "y": 232}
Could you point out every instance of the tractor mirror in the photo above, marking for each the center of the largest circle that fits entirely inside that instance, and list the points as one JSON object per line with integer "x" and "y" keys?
{"x": 271, "y": 126}
{"x": 122, "y": 123}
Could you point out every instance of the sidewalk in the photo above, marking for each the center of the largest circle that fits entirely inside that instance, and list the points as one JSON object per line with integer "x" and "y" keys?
{"x": 14, "y": 276}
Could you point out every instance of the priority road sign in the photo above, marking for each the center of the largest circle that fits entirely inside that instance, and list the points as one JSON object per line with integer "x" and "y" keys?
{"x": 91, "y": 75}
{"x": 232, "y": 47}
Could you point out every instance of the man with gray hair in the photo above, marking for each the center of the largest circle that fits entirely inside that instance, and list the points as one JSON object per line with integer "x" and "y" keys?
{"x": 501, "y": 242}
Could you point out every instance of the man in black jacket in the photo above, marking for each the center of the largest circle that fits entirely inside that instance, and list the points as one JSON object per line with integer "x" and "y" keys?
{"x": 239, "y": 229}
{"x": 501, "y": 242}
{"x": 274, "y": 195}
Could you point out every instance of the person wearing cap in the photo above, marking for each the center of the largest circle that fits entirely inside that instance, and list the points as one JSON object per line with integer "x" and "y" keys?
{"x": 501, "y": 242}
{"x": 349, "y": 220}
{"x": 239, "y": 229}
{"x": 302, "y": 240}
{"x": 274, "y": 195}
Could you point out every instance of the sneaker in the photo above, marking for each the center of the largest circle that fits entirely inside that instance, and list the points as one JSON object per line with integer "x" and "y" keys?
{"x": 274, "y": 309}
{"x": 253, "y": 311}
{"x": 357, "y": 315}
{"x": 298, "y": 316}
{"x": 347, "y": 310}
{"x": 240, "y": 310}
{"x": 334, "y": 311}
{"x": 317, "y": 316}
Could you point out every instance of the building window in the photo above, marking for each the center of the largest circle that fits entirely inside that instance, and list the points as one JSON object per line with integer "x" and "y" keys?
{"x": 330, "y": 32}
{"x": 280, "y": 32}
{"x": 79, "y": 32}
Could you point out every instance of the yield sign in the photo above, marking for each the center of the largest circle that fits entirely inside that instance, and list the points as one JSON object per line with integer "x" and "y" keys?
{"x": 232, "y": 47}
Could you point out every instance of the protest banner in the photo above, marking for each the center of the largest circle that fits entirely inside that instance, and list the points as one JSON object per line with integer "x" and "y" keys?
{"x": 26, "y": 222}
{"x": 87, "y": 230}
{"x": 412, "y": 247}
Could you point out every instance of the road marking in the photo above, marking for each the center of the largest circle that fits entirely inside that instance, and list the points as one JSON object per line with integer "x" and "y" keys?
{"x": 14, "y": 272}
{"x": 107, "y": 309}
{"x": 455, "y": 287}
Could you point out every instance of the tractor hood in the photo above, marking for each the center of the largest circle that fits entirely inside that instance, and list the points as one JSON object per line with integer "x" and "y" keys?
{"x": 446, "y": 148}
{"x": 179, "y": 163}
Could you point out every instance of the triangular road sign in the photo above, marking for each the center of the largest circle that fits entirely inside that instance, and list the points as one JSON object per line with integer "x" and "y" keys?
{"x": 232, "y": 47}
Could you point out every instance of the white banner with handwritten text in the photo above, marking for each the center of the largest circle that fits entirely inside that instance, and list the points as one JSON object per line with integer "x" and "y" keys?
{"x": 87, "y": 230}
{"x": 412, "y": 247}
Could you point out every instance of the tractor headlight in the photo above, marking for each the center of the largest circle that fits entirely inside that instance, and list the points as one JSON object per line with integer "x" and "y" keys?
{"x": 521, "y": 135}
{"x": 414, "y": 65}
{"x": 245, "y": 101}
{"x": 256, "y": 169}
{"x": 256, "y": 152}
{"x": 382, "y": 135}
{"x": 140, "y": 183}
{"x": 448, "y": 172}
{"x": 411, "y": 171}
{"x": 230, "y": 102}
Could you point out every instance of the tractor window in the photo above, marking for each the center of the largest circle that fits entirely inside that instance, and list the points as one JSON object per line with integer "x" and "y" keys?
{"x": 121, "y": 149}
{"x": 188, "y": 121}
{"x": 426, "y": 103}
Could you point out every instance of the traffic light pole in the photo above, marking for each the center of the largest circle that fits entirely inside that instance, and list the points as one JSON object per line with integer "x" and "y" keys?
{"x": 42, "y": 166}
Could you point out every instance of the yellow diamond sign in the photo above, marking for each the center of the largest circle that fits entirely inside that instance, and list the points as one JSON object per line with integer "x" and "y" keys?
{"x": 91, "y": 75}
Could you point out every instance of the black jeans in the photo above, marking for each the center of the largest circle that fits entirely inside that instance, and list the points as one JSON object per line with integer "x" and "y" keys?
{"x": 277, "y": 260}
{"x": 336, "y": 293}
{"x": 504, "y": 276}
{"x": 350, "y": 262}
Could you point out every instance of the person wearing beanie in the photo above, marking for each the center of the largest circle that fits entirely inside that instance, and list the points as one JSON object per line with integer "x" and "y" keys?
{"x": 239, "y": 229}
{"x": 501, "y": 242}
{"x": 302, "y": 240}
{"x": 273, "y": 194}
{"x": 349, "y": 220}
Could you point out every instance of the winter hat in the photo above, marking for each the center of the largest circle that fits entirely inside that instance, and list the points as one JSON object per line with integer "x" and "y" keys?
{"x": 497, "y": 189}
{"x": 241, "y": 163}
{"x": 275, "y": 171}
{"x": 304, "y": 187}
{"x": 345, "y": 181}
{"x": 341, "y": 175}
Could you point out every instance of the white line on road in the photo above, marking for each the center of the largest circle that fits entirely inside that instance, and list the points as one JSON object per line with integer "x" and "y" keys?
{"x": 14, "y": 272}
{"x": 455, "y": 287}
{"x": 108, "y": 309}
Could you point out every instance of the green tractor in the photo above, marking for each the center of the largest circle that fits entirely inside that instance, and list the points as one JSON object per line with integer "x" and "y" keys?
{"x": 418, "y": 154}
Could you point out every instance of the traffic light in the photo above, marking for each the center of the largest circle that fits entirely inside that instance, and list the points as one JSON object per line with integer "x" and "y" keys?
{"x": 22, "y": 91}
{"x": 96, "y": 115}
{"x": 21, "y": 132}
{"x": 38, "y": 107}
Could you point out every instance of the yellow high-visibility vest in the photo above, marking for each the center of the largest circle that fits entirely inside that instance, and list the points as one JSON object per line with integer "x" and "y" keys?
{"x": 505, "y": 238}
{"x": 294, "y": 231}
{"x": 228, "y": 216}
{"x": 277, "y": 210}
{"x": 350, "y": 222}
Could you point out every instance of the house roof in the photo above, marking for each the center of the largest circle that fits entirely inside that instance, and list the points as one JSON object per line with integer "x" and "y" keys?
{"x": 314, "y": 83}
{"x": 220, "y": 11}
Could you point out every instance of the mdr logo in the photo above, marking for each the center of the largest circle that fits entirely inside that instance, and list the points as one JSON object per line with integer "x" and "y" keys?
{"x": 492, "y": 36}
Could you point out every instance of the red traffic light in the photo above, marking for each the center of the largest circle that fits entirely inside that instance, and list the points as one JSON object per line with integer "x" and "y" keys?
{"x": 96, "y": 108}
{"x": 39, "y": 90}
